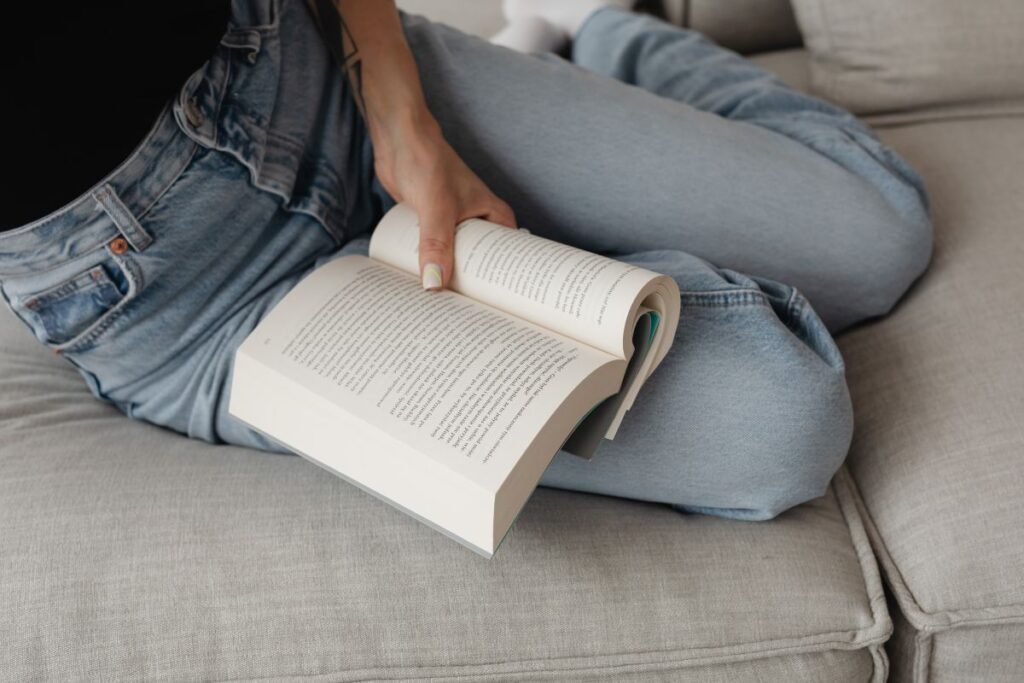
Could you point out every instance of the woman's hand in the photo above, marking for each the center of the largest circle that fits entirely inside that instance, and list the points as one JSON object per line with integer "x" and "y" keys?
{"x": 417, "y": 166}
{"x": 412, "y": 159}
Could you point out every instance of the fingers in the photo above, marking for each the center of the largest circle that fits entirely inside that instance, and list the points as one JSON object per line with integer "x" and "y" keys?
{"x": 437, "y": 238}
{"x": 499, "y": 212}
{"x": 437, "y": 233}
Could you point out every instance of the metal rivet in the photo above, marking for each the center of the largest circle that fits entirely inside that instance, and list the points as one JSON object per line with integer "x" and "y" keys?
{"x": 119, "y": 245}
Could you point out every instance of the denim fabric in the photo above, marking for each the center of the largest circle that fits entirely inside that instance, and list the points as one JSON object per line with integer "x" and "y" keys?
{"x": 261, "y": 169}
{"x": 659, "y": 139}
{"x": 250, "y": 175}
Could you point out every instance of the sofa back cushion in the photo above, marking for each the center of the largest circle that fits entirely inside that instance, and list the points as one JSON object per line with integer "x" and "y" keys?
{"x": 875, "y": 56}
{"x": 742, "y": 25}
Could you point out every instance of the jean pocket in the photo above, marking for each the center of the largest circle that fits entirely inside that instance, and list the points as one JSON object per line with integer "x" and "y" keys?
{"x": 71, "y": 309}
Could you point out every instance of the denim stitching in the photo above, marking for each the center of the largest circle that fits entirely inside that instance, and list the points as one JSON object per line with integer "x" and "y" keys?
{"x": 174, "y": 181}
{"x": 102, "y": 242}
{"x": 225, "y": 86}
{"x": 93, "y": 332}
{"x": 262, "y": 28}
{"x": 248, "y": 39}
{"x": 61, "y": 291}
{"x": 122, "y": 217}
{"x": 180, "y": 104}
{"x": 723, "y": 299}
{"x": 74, "y": 204}
{"x": 82, "y": 253}
{"x": 795, "y": 305}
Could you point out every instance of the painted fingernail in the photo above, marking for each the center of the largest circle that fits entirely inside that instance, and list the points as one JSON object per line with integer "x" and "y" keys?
{"x": 432, "y": 276}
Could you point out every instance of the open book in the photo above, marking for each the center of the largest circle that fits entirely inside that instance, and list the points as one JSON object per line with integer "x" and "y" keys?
{"x": 451, "y": 404}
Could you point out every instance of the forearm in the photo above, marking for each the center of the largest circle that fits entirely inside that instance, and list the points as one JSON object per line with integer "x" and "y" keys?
{"x": 366, "y": 39}
{"x": 412, "y": 159}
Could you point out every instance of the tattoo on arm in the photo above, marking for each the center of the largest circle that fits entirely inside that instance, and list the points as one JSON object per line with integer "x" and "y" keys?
{"x": 342, "y": 45}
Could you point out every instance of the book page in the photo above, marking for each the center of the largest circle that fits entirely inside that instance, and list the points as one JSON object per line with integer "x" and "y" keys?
{"x": 588, "y": 297}
{"x": 598, "y": 424}
{"x": 455, "y": 379}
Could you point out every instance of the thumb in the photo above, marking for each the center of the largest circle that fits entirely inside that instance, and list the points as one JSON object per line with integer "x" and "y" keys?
{"x": 437, "y": 237}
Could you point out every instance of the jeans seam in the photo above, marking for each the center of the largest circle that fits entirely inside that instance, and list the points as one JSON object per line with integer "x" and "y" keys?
{"x": 82, "y": 253}
{"x": 70, "y": 286}
{"x": 795, "y": 305}
{"x": 123, "y": 218}
{"x": 103, "y": 324}
{"x": 723, "y": 299}
{"x": 185, "y": 93}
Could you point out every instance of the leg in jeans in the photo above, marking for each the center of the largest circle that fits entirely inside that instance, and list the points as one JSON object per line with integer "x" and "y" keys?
{"x": 710, "y": 155}
{"x": 747, "y": 416}
{"x": 258, "y": 176}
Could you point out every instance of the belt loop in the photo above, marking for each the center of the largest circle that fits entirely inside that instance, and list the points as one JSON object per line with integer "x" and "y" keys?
{"x": 132, "y": 230}
{"x": 243, "y": 39}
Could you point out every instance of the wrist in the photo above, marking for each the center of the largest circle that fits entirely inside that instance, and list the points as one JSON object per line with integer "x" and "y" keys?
{"x": 403, "y": 127}
{"x": 394, "y": 105}
{"x": 403, "y": 143}
{"x": 406, "y": 119}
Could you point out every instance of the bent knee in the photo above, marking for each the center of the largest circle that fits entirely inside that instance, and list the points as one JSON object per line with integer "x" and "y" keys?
{"x": 772, "y": 411}
{"x": 800, "y": 467}
{"x": 879, "y": 243}
{"x": 795, "y": 466}
{"x": 873, "y": 275}
{"x": 867, "y": 263}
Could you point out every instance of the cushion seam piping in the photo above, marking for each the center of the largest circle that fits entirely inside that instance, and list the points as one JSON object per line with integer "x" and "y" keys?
{"x": 870, "y": 571}
{"x": 875, "y": 634}
{"x": 921, "y": 619}
{"x": 666, "y": 665}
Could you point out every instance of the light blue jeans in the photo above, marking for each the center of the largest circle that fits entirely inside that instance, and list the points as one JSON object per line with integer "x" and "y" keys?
{"x": 656, "y": 147}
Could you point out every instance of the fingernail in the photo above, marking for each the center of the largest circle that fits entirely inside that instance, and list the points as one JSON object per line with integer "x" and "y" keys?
{"x": 432, "y": 276}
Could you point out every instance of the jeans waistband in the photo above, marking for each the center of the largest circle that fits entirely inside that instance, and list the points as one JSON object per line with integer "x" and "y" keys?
{"x": 186, "y": 124}
{"x": 138, "y": 182}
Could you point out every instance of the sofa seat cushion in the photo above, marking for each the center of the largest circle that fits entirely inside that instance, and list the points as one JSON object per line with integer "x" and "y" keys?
{"x": 127, "y": 551}
{"x": 938, "y": 388}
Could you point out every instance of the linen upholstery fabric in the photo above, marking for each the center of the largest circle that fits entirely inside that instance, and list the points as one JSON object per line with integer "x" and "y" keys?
{"x": 744, "y": 25}
{"x": 876, "y": 56}
{"x": 131, "y": 552}
{"x": 793, "y": 66}
{"x": 483, "y": 19}
{"x": 948, "y": 358}
{"x": 938, "y": 389}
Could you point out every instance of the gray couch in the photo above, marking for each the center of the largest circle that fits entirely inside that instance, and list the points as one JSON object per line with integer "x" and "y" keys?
{"x": 128, "y": 552}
